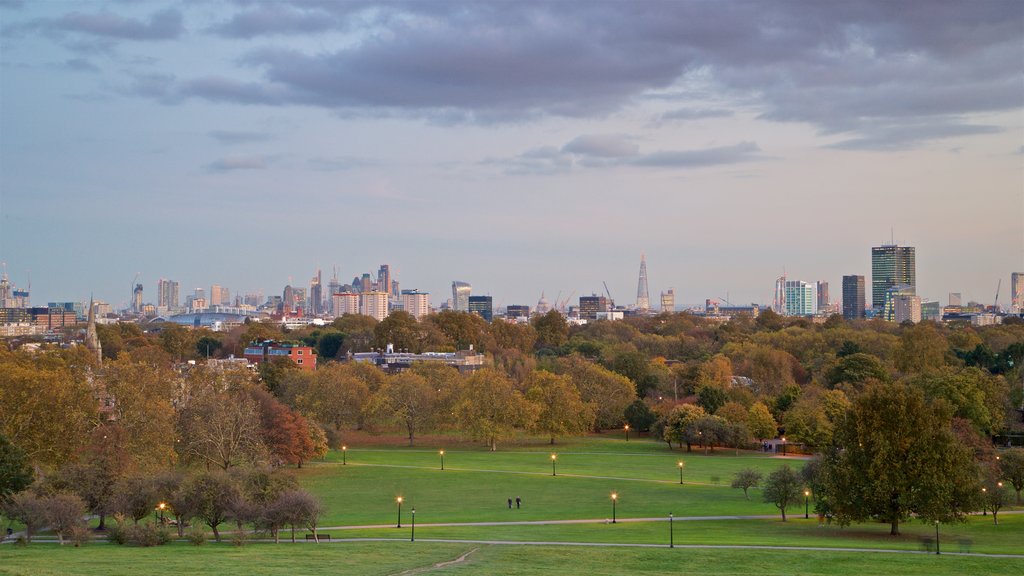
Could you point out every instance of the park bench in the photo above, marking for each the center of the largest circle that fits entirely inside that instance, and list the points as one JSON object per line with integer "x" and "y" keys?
{"x": 318, "y": 537}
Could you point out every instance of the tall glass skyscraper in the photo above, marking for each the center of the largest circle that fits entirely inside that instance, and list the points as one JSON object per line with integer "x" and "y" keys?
{"x": 853, "y": 297}
{"x": 891, "y": 266}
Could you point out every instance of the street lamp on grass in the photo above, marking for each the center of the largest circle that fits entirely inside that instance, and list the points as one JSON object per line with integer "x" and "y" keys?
{"x": 553, "y": 458}
{"x": 680, "y": 465}
{"x": 783, "y": 445}
{"x": 344, "y": 452}
{"x": 399, "y": 500}
{"x": 671, "y": 536}
{"x": 615, "y": 498}
{"x": 626, "y": 428}
{"x": 936, "y": 536}
{"x": 161, "y": 507}
{"x": 442, "y": 459}
{"x": 412, "y": 538}
{"x": 807, "y": 494}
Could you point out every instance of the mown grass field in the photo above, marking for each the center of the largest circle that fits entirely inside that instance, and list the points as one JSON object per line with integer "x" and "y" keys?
{"x": 474, "y": 488}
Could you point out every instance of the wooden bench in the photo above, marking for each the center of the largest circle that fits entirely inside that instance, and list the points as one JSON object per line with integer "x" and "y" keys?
{"x": 318, "y": 537}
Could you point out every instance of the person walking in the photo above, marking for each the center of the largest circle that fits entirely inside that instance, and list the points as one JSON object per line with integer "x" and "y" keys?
{"x": 518, "y": 502}
{"x": 509, "y": 502}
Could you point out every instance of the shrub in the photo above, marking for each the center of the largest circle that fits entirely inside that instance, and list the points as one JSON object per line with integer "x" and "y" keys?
{"x": 80, "y": 535}
{"x": 239, "y": 538}
{"x": 148, "y": 534}
{"x": 196, "y": 535}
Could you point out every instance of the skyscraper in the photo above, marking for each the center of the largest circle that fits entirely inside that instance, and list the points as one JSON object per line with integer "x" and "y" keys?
{"x": 801, "y": 298}
{"x": 374, "y": 304}
{"x": 822, "y": 295}
{"x": 668, "y": 301}
{"x": 891, "y": 266}
{"x": 384, "y": 278}
{"x": 416, "y": 303}
{"x": 219, "y": 295}
{"x": 482, "y": 305}
{"x": 643, "y": 298}
{"x": 167, "y": 293}
{"x": 1017, "y": 292}
{"x": 316, "y": 294}
{"x": 137, "y": 299}
{"x": 460, "y": 295}
{"x": 853, "y": 297}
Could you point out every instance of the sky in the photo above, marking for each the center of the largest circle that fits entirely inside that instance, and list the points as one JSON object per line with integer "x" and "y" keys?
{"x": 524, "y": 147}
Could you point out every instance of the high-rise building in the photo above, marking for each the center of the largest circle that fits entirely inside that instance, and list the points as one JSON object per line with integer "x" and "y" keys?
{"x": 416, "y": 303}
{"x": 668, "y": 301}
{"x": 219, "y": 295}
{"x": 643, "y": 297}
{"x": 1017, "y": 292}
{"x": 891, "y": 265}
{"x": 460, "y": 295}
{"x": 823, "y": 302}
{"x": 591, "y": 305}
{"x": 374, "y": 304}
{"x": 894, "y": 297}
{"x": 513, "y": 311}
{"x": 955, "y": 299}
{"x": 365, "y": 283}
{"x": 345, "y": 303}
{"x": 384, "y": 278}
{"x": 801, "y": 298}
{"x": 333, "y": 287}
{"x": 853, "y": 297}
{"x": 316, "y": 294}
{"x": 907, "y": 307}
{"x": 137, "y": 299}
{"x": 931, "y": 310}
{"x": 483, "y": 306}
{"x": 167, "y": 293}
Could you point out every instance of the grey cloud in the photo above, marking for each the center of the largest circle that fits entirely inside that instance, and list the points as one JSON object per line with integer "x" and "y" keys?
{"x": 845, "y": 68}
{"x": 694, "y": 114}
{"x": 602, "y": 146}
{"x": 80, "y": 65}
{"x": 337, "y": 163}
{"x": 232, "y": 163}
{"x": 910, "y": 136}
{"x": 12, "y": 4}
{"x": 233, "y": 137}
{"x": 742, "y": 152}
{"x": 162, "y": 25}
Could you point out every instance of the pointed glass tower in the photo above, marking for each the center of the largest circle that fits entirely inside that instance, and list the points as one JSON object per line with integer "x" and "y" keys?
{"x": 643, "y": 298}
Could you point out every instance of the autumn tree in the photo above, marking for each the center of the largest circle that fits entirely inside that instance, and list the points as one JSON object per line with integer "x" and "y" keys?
{"x": 552, "y": 329}
{"x": 135, "y": 497}
{"x": 922, "y": 348}
{"x": 63, "y": 513}
{"x": 98, "y": 468}
{"x": 894, "y": 456}
{"x": 210, "y": 495}
{"x": 143, "y": 407}
{"x": 746, "y": 479}
{"x": 490, "y": 407}
{"x": 994, "y": 496}
{"x": 463, "y": 329}
{"x": 782, "y": 488}
{"x": 221, "y": 429}
{"x": 334, "y": 396}
{"x": 27, "y": 508}
{"x": 399, "y": 329}
{"x": 1011, "y": 464}
{"x": 285, "y": 433}
{"x": 972, "y": 393}
{"x": 15, "y": 471}
{"x": 761, "y": 422}
{"x": 679, "y": 422}
{"x": 409, "y": 399}
{"x": 855, "y": 370}
{"x": 562, "y": 411}
{"x": 609, "y": 393}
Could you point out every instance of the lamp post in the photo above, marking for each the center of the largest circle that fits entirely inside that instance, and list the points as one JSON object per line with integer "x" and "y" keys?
{"x": 807, "y": 494}
{"x": 936, "y": 536}
{"x": 442, "y": 459}
{"x": 399, "y": 500}
{"x": 615, "y": 498}
{"x": 783, "y": 445}
{"x": 984, "y": 502}
{"x": 344, "y": 452}
{"x": 671, "y": 536}
{"x": 161, "y": 507}
{"x": 412, "y": 538}
{"x": 680, "y": 465}
{"x": 553, "y": 458}
{"x": 626, "y": 428}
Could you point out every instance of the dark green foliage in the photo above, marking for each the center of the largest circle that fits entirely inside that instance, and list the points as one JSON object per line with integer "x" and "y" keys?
{"x": 783, "y": 488}
{"x": 746, "y": 479}
{"x": 639, "y": 416}
{"x": 856, "y": 369}
{"x": 15, "y": 469}
{"x": 208, "y": 346}
{"x": 711, "y": 398}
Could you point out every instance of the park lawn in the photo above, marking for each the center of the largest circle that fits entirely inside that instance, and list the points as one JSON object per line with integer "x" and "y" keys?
{"x": 983, "y": 536}
{"x": 369, "y": 558}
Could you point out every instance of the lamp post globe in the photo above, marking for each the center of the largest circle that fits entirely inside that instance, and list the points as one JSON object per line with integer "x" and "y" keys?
{"x": 399, "y": 500}
{"x": 615, "y": 498}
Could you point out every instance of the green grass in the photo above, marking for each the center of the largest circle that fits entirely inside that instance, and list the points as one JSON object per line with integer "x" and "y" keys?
{"x": 371, "y": 558}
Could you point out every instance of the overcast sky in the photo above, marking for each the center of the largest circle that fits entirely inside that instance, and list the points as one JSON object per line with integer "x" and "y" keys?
{"x": 522, "y": 147}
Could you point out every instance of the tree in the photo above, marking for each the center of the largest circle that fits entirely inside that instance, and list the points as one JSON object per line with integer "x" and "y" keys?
{"x": 176, "y": 340}
{"x": 207, "y": 346}
{"x": 782, "y": 488}
{"x": 746, "y": 479}
{"x": 679, "y": 422}
{"x": 275, "y": 371}
{"x": 562, "y": 411}
{"x": 761, "y": 422}
{"x": 135, "y": 496}
{"x": 27, "y": 508}
{"x": 284, "y": 432}
{"x": 922, "y": 348}
{"x": 1011, "y": 464}
{"x": 211, "y": 495}
{"x": 409, "y": 399}
{"x": 639, "y": 415}
{"x": 221, "y": 429}
{"x": 463, "y": 329}
{"x": 143, "y": 407}
{"x": 973, "y": 394}
{"x": 711, "y": 397}
{"x": 856, "y": 369}
{"x": 63, "y": 513}
{"x": 399, "y": 329}
{"x": 895, "y": 455}
{"x": 94, "y": 476}
{"x": 490, "y": 407}
{"x": 552, "y": 329}
{"x": 15, "y": 470}
{"x": 299, "y": 508}
{"x": 609, "y": 393}
{"x": 994, "y": 497}
{"x": 334, "y": 396}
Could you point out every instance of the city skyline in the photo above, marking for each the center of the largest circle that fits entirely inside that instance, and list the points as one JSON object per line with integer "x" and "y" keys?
{"x": 522, "y": 148}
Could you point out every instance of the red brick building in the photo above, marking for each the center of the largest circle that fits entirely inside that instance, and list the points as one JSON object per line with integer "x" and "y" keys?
{"x": 265, "y": 351}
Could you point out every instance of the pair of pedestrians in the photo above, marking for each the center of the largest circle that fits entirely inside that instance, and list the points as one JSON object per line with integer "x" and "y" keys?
{"x": 519, "y": 502}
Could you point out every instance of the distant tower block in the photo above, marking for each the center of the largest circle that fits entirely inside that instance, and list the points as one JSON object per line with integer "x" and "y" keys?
{"x": 643, "y": 298}
{"x": 668, "y": 301}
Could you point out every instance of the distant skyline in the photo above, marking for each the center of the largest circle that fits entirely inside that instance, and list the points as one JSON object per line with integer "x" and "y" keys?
{"x": 521, "y": 147}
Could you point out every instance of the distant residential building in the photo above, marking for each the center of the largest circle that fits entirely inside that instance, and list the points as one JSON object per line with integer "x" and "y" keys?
{"x": 460, "y": 295}
{"x": 853, "y": 297}
{"x": 198, "y": 304}
{"x": 77, "y": 307}
{"x": 891, "y": 266}
{"x": 345, "y": 303}
{"x": 167, "y": 294}
{"x": 591, "y": 305}
{"x": 1017, "y": 292}
{"x": 668, "y": 300}
{"x": 416, "y": 303}
{"x": 955, "y": 299}
{"x": 219, "y": 296}
{"x": 517, "y": 311}
{"x": 391, "y": 361}
{"x": 985, "y": 319}
{"x": 482, "y": 306}
{"x": 801, "y": 298}
{"x": 374, "y": 304}
{"x": 137, "y": 299}
{"x": 931, "y": 310}
{"x": 266, "y": 350}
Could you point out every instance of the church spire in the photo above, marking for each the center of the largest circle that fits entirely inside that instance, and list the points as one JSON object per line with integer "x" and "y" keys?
{"x": 92, "y": 338}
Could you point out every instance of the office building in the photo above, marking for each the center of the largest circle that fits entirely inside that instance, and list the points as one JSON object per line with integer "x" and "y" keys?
{"x": 894, "y": 297}
{"x": 384, "y": 278}
{"x": 931, "y": 310}
{"x": 513, "y": 311}
{"x": 167, "y": 294}
{"x": 416, "y": 303}
{"x": 907, "y": 307}
{"x": 482, "y": 306}
{"x": 591, "y": 305}
{"x": 823, "y": 302}
{"x": 668, "y": 300}
{"x": 955, "y": 299}
{"x": 460, "y": 295}
{"x": 892, "y": 266}
{"x": 643, "y": 299}
{"x": 316, "y": 294}
{"x": 853, "y": 297}
{"x": 303, "y": 356}
{"x": 1017, "y": 292}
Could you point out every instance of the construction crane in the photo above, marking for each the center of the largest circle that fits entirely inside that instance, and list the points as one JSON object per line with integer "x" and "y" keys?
{"x": 995, "y": 305}
{"x": 611, "y": 301}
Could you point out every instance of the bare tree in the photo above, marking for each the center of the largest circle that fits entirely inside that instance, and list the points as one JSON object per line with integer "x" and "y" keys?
{"x": 64, "y": 513}
{"x": 27, "y": 508}
{"x": 221, "y": 429}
